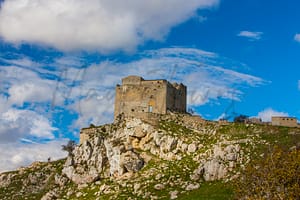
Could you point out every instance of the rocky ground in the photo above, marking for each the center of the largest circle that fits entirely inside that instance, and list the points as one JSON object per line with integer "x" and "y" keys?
{"x": 178, "y": 158}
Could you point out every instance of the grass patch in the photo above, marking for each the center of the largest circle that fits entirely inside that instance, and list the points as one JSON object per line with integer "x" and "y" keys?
{"x": 210, "y": 191}
{"x": 174, "y": 128}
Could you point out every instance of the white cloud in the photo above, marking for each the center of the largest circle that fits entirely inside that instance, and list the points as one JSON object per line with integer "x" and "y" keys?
{"x": 26, "y": 85}
{"x": 30, "y": 92}
{"x": 4, "y": 105}
{"x": 297, "y": 37}
{"x": 16, "y": 124}
{"x": 267, "y": 114}
{"x": 68, "y": 61}
{"x": 251, "y": 35}
{"x": 23, "y": 61}
{"x": 42, "y": 128}
{"x": 14, "y": 155}
{"x": 106, "y": 25}
{"x": 299, "y": 85}
{"x": 96, "y": 109}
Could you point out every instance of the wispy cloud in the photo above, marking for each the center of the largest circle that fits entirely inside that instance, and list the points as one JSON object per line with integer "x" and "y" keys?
{"x": 297, "y": 37}
{"x": 250, "y": 35}
{"x": 299, "y": 85}
{"x": 267, "y": 114}
{"x": 102, "y": 25}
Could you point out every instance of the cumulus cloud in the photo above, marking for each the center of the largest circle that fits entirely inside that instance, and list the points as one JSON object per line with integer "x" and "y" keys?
{"x": 251, "y": 35}
{"x": 96, "y": 109}
{"x": 16, "y": 124}
{"x": 267, "y": 114}
{"x": 105, "y": 25}
{"x": 20, "y": 154}
{"x": 30, "y": 92}
{"x": 24, "y": 83}
{"x": 297, "y": 37}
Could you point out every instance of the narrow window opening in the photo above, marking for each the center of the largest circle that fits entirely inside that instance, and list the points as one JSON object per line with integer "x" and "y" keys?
{"x": 150, "y": 108}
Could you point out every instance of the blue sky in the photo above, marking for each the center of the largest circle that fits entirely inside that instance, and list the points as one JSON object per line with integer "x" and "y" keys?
{"x": 60, "y": 62}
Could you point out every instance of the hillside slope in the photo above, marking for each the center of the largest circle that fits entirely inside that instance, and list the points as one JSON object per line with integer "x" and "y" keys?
{"x": 176, "y": 158}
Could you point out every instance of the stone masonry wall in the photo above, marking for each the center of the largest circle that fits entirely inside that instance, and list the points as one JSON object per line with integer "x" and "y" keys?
{"x": 176, "y": 97}
{"x": 137, "y": 95}
{"x": 284, "y": 121}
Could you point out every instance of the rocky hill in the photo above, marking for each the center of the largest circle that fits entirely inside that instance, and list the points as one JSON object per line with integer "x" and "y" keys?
{"x": 177, "y": 157}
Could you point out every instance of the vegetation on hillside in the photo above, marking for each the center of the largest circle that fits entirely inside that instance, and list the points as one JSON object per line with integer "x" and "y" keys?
{"x": 275, "y": 176}
{"x": 30, "y": 183}
{"x": 272, "y": 170}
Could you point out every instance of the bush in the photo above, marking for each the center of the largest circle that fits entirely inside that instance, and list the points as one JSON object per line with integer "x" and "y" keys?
{"x": 240, "y": 119}
{"x": 277, "y": 176}
{"x": 69, "y": 147}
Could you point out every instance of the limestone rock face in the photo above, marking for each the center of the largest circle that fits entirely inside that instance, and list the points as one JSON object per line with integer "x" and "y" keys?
{"x": 112, "y": 155}
{"x": 86, "y": 162}
{"x": 214, "y": 170}
{"x": 5, "y": 179}
{"x": 192, "y": 187}
{"x": 126, "y": 147}
{"x": 232, "y": 152}
{"x": 50, "y": 195}
{"x": 173, "y": 194}
{"x": 60, "y": 180}
{"x": 222, "y": 158}
{"x": 210, "y": 171}
{"x": 131, "y": 161}
{"x": 192, "y": 148}
{"x": 136, "y": 128}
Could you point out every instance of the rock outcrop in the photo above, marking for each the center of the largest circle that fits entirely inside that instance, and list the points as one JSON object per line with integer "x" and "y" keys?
{"x": 117, "y": 151}
{"x": 134, "y": 159}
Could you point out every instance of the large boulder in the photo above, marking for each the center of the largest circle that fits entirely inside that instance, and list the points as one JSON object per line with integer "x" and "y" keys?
{"x": 214, "y": 170}
{"x": 131, "y": 161}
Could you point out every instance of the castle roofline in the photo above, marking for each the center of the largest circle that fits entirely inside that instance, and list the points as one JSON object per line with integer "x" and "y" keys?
{"x": 281, "y": 117}
{"x": 136, "y": 80}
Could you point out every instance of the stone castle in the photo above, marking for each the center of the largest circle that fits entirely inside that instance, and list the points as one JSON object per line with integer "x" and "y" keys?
{"x": 144, "y": 99}
{"x": 149, "y": 100}
{"x": 137, "y": 96}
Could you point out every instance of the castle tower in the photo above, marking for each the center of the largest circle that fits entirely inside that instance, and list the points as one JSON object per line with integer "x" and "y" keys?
{"x": 137, "y": 95}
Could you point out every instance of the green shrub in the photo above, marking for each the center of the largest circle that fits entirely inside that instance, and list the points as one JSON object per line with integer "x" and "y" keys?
{"x": 276, "y": 176}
